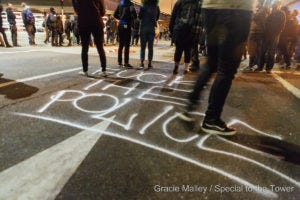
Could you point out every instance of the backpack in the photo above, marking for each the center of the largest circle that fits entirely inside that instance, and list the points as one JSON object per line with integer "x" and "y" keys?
{"x": 186, "y": 16}
{"x": 29, "y": 18}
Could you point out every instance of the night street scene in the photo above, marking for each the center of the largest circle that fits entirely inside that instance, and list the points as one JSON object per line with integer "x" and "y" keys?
{"x": 149, "y": 99}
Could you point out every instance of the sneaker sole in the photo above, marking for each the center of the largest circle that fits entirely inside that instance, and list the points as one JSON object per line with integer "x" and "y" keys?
{"x": 184, "y": 118}
{"x": 215, "y": 132}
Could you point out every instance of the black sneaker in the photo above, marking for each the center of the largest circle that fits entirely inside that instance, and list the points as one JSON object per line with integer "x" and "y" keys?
{"x": 175, "y": 71}
{"x": 217, "y": 127}
{"x": 141, "y": 66}
{"x": 128, "y": 66}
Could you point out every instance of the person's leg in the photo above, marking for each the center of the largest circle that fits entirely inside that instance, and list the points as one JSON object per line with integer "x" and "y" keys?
{"x": 85, "y": 38}
{"x": 127, "y": 47}
{"x": 121, "y": 45}
{"x": 143, "y": 49}
{"x": 229, "y": 56}
{"x": 177, "y": 55}
{"x": 150, "y": 39}
{"x": 99, "y": 40}
{"x": 14, "y": 36}
{"x": 271, "y": 54}
{"x": 4, "y": 37}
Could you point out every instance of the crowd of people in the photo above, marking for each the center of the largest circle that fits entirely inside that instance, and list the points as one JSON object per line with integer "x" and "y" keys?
{"x": 273, "y": 37}
{"x": 220, "y": 30}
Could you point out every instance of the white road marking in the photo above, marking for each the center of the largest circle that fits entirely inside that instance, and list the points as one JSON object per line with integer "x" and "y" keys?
{"x": 38, "y": 77}
{"x": 266, "y": 193}
{"x": 295, "y": 91}
{"x": 44, "y": 175}
{"x": 233, "y": 155}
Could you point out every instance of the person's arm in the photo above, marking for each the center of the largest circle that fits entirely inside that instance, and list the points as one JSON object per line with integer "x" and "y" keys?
{"x": 75, "y": 6}
{"x": 158, "y": 14}
{"x": 102, "y": 8}
{"x": 117, "y": 13}
{"x": 141, "y": 13}
{"x": 133, "y": 11}
{"x": 173, "y": 18}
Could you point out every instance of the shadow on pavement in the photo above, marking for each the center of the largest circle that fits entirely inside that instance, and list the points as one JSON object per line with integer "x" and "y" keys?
{"x": 13, "y": 90}
{"x": 282, "y": 149}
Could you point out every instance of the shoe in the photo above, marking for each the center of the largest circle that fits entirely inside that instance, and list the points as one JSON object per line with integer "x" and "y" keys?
{"x": 287, "y": 67}
{"x": 104, "y": 74}
{"x": 268, "y": 71}
{"x": 194, "y": 67}
{"x": 129, "y": 66}
{"x": 141, "y": 66}
{"x": 121, "y": 65}
{"x": 175, "y": 71}
{"x": 186, "y": 116}
{"x": 1, "y": 74}
{"x": 187, "y": 71}
{"x": 217, "y": 127}
{"x": 83, "y": 73}
{"x": 150, "y": 66}
{"x": 247, "y": 69}
{"x": 9, "y": 46}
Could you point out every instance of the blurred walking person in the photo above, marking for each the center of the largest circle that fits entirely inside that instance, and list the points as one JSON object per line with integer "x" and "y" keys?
{"x": 29, "y": 23}
{"x": 90, "y": 13}
{"x": 68, "y": 30}
{"x": 2, "y": 31}
{"x": 60, "y": 30}
{"x": 149, "y": 15}
{"x": 52, "y": 23}
{"x": 274, "y": 26}
{"x": 126, "y": 15}
{"x": 11, "y": 18}
{"x": 227, "y": 31}
{"x": 184, "y": 19}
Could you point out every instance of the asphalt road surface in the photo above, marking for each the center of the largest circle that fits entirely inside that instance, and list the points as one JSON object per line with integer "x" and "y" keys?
{"x": 68, "y": 137}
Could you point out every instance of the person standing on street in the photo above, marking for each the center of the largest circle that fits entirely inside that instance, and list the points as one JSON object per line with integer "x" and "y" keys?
{"x": 11, "y": 18}
{"x": 90, "y": 13}
{"x": 275, "y": 24}
{"x": 126, "y": 15}
{"x": 149, "y": 15}
{"x": 183, "y": 25}
{"x": 227, "y": 23}
{"x": 52, "y": 25}
{"x": 2, "y": 31}
{"x": 29, "y": 23}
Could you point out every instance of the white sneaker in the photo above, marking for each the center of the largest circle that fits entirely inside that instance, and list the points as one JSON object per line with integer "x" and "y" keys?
{"x": 104, "y": 74}
{"x": 83, "y": 73}
{"x": 1, "y": 74}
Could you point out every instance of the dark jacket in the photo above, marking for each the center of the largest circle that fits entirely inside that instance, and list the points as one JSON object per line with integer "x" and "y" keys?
{"x": 126, "y": 13}
{"x": 176, "y": 26}
{"x": 90, "y": 12}
{"x": 149, "y": 15}
{"x": 275, "y": 23}
{"x": 1, "y": 22}
{"x": 11, "y": 17}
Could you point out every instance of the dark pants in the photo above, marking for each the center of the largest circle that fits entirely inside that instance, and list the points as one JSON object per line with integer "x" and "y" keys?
{"x": 284, "y": 51}
{"x": 183, "y": 43}
{"x": 14, "y": 35}
{"x": 195, "y": 53}
{"x": 147, "y": 38}
{"x": 255, "y": 48}
{"x": 227, "y": 32}
{"x": 124, "y": 42}
{"x": 268, "y": 54}
{"x": 31, "y": 34}
{"x": 85, "y": 34}
{"x": 54, "y": 37}
{"x": 4, "y": 36}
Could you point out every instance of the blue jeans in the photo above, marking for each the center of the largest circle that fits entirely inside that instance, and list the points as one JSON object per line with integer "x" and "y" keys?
{"x": 147, "y": 37}
{"x": 227, "y": 31}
